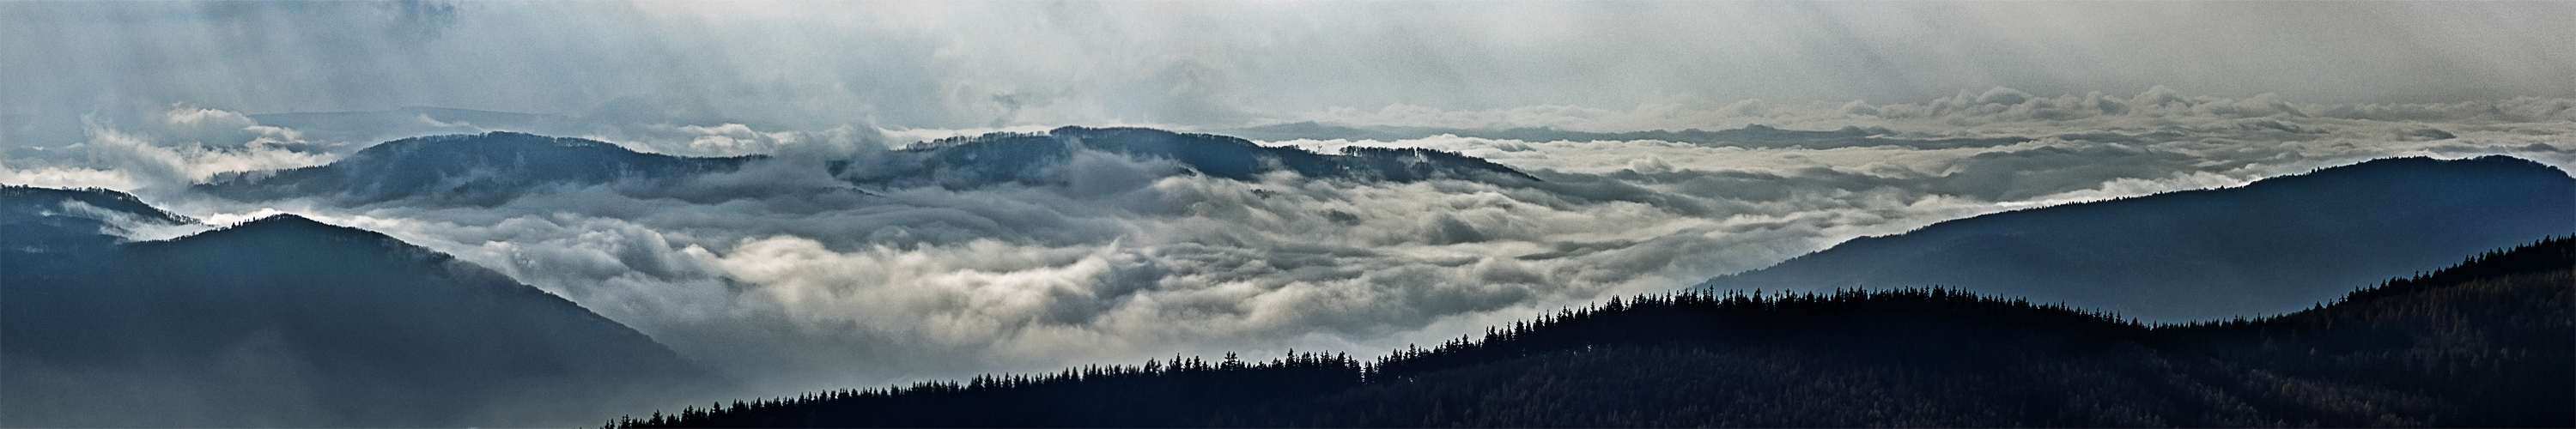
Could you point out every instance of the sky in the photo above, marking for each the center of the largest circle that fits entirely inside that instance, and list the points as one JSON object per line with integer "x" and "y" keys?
{"x": 980, "y": 64}
{"x": 2074, "y": 101}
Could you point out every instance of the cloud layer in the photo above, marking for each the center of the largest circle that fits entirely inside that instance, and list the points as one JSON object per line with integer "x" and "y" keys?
{"x": 955, "y": 65}
{"x": 812, "y": 283}
{"x": 1895, "y": 116}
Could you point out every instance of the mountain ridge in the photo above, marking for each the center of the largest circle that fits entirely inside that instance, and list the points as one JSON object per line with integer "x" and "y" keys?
{"x": 2270, "y": 246}
{"x": 1749, "y": 136}
{"x": 289, "y": 321}
{"x": 1041, "y": 158}
{"x": 493, "y": 168}
{"x": 2481, "y": 344}
{"x": 477, "y": 169}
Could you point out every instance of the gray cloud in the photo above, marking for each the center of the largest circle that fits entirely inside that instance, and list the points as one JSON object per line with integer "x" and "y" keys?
{"x": 817, "y": 285}
{"x": 796, "y": 280}
{"x": 948, "y": 65}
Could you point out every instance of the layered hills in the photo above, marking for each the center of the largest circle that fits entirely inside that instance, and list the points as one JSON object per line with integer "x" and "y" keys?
{"x": 1042, "y": 158}
{"x": 496, "y": 167}
{"x": 286, "y": 321}
{"x": 1751, "y": 136}
{"x": 482, "y": 169}
{"x": 2481, "y": 344}
{"x": 2029, "y": 317}
{"x": 2272, "y": 246}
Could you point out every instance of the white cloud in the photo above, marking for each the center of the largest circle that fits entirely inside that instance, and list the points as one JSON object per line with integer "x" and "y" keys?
{"x": 951, "y": 65}
{"x": 796, "y": 281}
{"x": 67, "y": 177}
{"x": 190, "y": 161}
{"x": 811, "y": 284}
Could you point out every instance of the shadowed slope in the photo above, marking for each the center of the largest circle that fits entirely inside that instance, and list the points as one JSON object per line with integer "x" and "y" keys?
{"x": 970, "y": 162}
{"x": 285, "y": 321}
{"x": 477, "y": 169}
{"x": 2273, "y": 246}
{"x": 494, "y": 168}
{"x": 1751, "y": 136}
{"x": 2482, "y": 344}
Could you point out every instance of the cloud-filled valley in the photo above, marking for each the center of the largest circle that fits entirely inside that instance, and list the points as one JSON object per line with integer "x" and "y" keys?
{"x": 807, "y": 196}
{"x": 784, "y": 273}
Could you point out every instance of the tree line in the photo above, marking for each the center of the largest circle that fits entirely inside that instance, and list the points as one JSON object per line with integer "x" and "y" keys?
{"x": 2483, "y": 343}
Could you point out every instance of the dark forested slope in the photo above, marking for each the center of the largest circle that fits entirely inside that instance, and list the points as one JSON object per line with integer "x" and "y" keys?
{"x": 285, "y": 321}
{"x": 2269, "y": 247}
{"x": 2486, "y": 343}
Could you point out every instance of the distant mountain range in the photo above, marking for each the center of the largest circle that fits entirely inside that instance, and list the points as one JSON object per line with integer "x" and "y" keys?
{"x": 2269, "y": 247}
{"x": 1042, "y": 159}
{"x": 2016, "y": 318}
{"x": 2485, "y": 343}
{"x": 1751, "y": 136}
{"x": 494, "y": 168}
{"x": 486, "y": 169}
{"x": 285, "y": 321}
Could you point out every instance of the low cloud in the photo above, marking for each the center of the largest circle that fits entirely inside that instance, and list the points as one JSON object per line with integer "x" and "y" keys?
{"x": 187, "y": 146}
{"x": 789, "y": 278}
{"x": 1995, "y": 108}
{"x": 784, "y": 275}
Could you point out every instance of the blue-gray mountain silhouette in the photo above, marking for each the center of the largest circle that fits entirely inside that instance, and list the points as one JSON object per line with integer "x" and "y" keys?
{"x": 285, "y": 321}
{"x": 44, "y": 219}
{"x": 493, "y": 168}
{"x": 1041, "y": 159}
{"x": 2484, "y": 343}
{"x": 479, "y": 169}
{"x": 2269, "y": 247}
{"x": 1751, "y": 136}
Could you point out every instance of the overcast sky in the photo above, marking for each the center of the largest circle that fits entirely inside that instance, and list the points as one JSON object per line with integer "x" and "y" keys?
{"x": 962, "y": 64}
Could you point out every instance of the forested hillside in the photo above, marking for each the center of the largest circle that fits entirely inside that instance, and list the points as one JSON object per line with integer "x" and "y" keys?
{"x": 2269, "y": 247}
{"x": 2485, "y": 343}
{"x": 478, "y": 169}
{"x": 287, "y": 321}
{"x": 495, "y": 168}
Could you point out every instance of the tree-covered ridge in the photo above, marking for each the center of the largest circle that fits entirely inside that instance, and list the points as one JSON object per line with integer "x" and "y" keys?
{"x": 2484, "y": 343}
{"x": 1751, "y": 136}
{"x": 45, "y": 220}
{"x": 2489, "y": 342}
{"x": 474, "y": 169}
{"x": 29, "y": 202}
{"x": 2272, "y": 246}
{"x": 1042, "y": 158}
{"x": 287, "y": 321}
{"x": 493, "y": 168}
{"x": 1178, "y": 392}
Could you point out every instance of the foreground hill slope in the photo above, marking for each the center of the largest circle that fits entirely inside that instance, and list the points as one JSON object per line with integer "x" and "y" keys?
{"x": 2482, "y": 344}
{"x": 2269, "y": 247}
{"x": 285, "y": 321}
